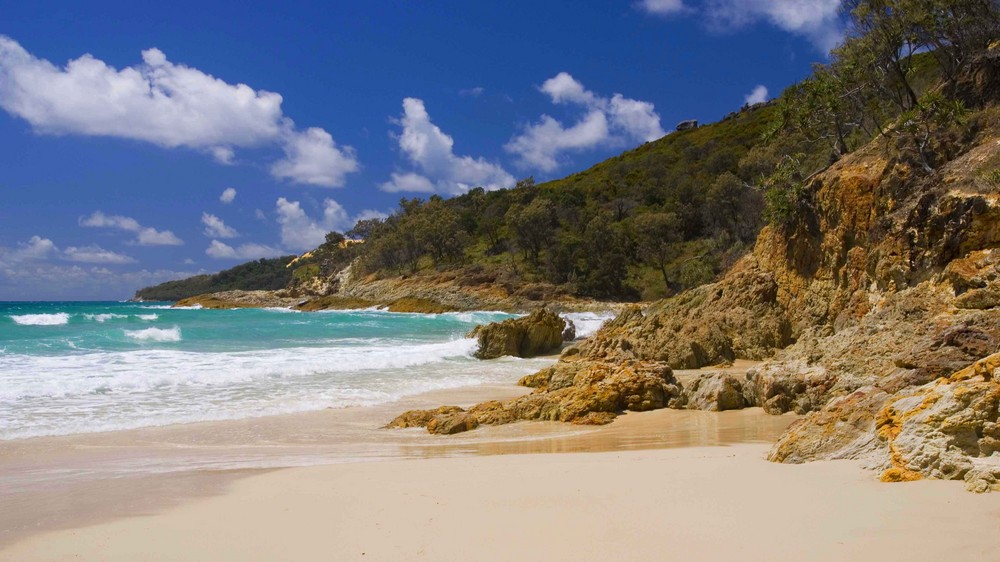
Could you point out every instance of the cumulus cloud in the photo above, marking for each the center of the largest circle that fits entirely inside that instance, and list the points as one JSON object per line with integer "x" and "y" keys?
{"x": 228, "y": 195}
{"x": 431, "y": 151}
{"x": 145, "y": 236}
{"x": 38, "y": 249}
{"x": 312, "y": 157}
{"x": 166, "y": 104}
{"x": 216, "y": 227}
{"x": 816, "y": 20}
{"x": 95, "y": 254}
{"x": 757, "y": 95}
{"x": 55, "y": 281}
{"x": 223, "y": 251}
{"x": 606, "y": 121}
{"x": 299, "y": 231}
{"x": 408, "y": 182}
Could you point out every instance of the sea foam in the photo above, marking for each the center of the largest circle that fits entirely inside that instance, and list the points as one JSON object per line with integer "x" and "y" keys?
{"x": 104, "y": 317}
{"x": 155, "y": 334}
{"x": 55, "y": 319}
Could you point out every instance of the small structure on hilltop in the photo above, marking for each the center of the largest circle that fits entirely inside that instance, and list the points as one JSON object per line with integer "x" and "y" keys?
{"x": 689, "y": 124}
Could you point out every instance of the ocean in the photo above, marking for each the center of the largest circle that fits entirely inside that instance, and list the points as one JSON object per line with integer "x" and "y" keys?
{"x": 84, "y": 367}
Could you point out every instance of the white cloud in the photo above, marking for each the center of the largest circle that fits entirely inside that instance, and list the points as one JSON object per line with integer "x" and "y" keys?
{"x": 301, "y": 232}
{"x": 53, "y": 281}
{"x": 38, "y": 249}
{"x": 95, "y": 254}
{"x": 216, "y": 228}
{"x": 314, "y": 158}
{"x": 472, "y": 92}
{"x": 223, "y": 154}
{"x": 431, "y": 150}
{"x": 758, "y": 95}
{"x": 408, "y": 182}
{"x": 607, "y": 121}
{"x": 167, "y": 104}
{"x": 816, "y": 20}
{"x": 223, "y": 251}
{"x": 228, "y": 195}
{"x": 145, "y": 236}
{"x": 662, "y": 7}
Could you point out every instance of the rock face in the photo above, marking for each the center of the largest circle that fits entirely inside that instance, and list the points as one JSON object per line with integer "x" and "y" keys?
{"x": 945, "y": 429}
{"x": 536, "y": 334}
{"x": 582, "y": 393}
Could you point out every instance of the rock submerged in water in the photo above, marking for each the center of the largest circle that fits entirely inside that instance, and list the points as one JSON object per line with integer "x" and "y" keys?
{"x": 538, "y": 333}
{"x": 588, "y": 393}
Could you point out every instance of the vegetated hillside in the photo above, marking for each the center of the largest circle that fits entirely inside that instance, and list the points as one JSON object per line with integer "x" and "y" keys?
{"x": 668, "y": 215}
{"x": 264, "y": 274}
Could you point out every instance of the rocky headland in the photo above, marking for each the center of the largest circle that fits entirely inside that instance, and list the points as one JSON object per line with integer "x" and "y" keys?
{"x": 877, "y": 315}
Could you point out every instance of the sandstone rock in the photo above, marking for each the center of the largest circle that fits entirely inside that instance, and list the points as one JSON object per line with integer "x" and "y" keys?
{"x": 581, "y": 393}
{"x": 946, "y": 429}
{"x": 987, "y": 297}
{"x": 538, "y": 333}
{"x": 451, "y": 423}
{"x": 715, "y": 392}
{"x": 420, "y": 418}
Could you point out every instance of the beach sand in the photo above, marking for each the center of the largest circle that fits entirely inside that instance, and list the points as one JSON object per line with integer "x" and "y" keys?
{"x": 701, "y": 503}
{"x": 660, "y": 485}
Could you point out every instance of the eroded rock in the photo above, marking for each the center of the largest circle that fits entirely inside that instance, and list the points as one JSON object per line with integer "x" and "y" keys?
{"x": 538, "y": 333}
{"x": 581, "y": 393}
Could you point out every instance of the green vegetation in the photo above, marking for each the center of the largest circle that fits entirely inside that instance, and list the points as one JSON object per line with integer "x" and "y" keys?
{"x": 265, "y": 274}
{"x": 666, "y": 216}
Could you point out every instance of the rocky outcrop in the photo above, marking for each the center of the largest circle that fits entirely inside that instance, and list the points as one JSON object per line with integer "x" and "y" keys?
{"x": 536, "y": 334}
{"x": 581, "y": 393}
{"x": 946, "y": 429}
{"x": 239, "y": 299}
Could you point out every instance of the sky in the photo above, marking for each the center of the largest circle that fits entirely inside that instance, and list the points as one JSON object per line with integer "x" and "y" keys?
{"x": 141, "y": 142}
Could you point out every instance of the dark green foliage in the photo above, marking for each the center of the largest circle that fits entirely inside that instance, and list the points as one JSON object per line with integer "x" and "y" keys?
{"x": 675, "y": 206}
{"x": 263, "y": 274}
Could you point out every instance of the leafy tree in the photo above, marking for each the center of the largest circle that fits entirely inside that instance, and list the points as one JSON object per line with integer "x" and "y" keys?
{"x": 657, "y": 236}
{"x": 532, "y": 226}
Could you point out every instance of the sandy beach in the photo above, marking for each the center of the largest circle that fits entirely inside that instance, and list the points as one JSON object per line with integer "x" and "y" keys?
{"x": 663, "y": 485}
{"x": 705, "y": 503}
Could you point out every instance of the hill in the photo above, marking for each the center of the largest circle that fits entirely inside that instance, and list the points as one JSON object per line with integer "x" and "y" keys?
{"x": 263, "y": 274}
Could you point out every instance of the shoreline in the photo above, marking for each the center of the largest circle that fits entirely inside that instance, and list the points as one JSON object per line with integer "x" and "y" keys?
{"x": 63, "y": 482}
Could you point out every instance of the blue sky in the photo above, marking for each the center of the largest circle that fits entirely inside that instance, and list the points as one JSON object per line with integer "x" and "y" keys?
{"x": 143, "y": 143}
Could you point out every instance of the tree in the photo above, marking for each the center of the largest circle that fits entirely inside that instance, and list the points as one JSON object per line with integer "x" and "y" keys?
{"x": 532, "y": 226}
{"x": 657, "y": 236}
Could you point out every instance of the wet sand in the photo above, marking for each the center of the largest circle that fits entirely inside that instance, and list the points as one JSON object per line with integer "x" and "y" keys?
{"x": 65, "y": 482}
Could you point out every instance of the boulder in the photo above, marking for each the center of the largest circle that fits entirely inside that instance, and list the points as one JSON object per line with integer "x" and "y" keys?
{"x": 451, "y": 423}
{"x": 585, "y": 392}
{"x": 420, "y": 418}
{"x": 538, "y": 333}
{"x": 715, "y": 392}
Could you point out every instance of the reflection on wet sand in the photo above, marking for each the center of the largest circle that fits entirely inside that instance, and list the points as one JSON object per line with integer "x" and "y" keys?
{"x": 57, "y": 482}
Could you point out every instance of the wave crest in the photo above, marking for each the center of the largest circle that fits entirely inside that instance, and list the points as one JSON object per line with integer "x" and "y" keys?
{"x": 54, "y": 319}
{"x": 155, "y": 334}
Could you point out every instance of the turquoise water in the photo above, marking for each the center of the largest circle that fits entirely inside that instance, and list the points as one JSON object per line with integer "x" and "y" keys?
{"x": 70, "y": 367}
